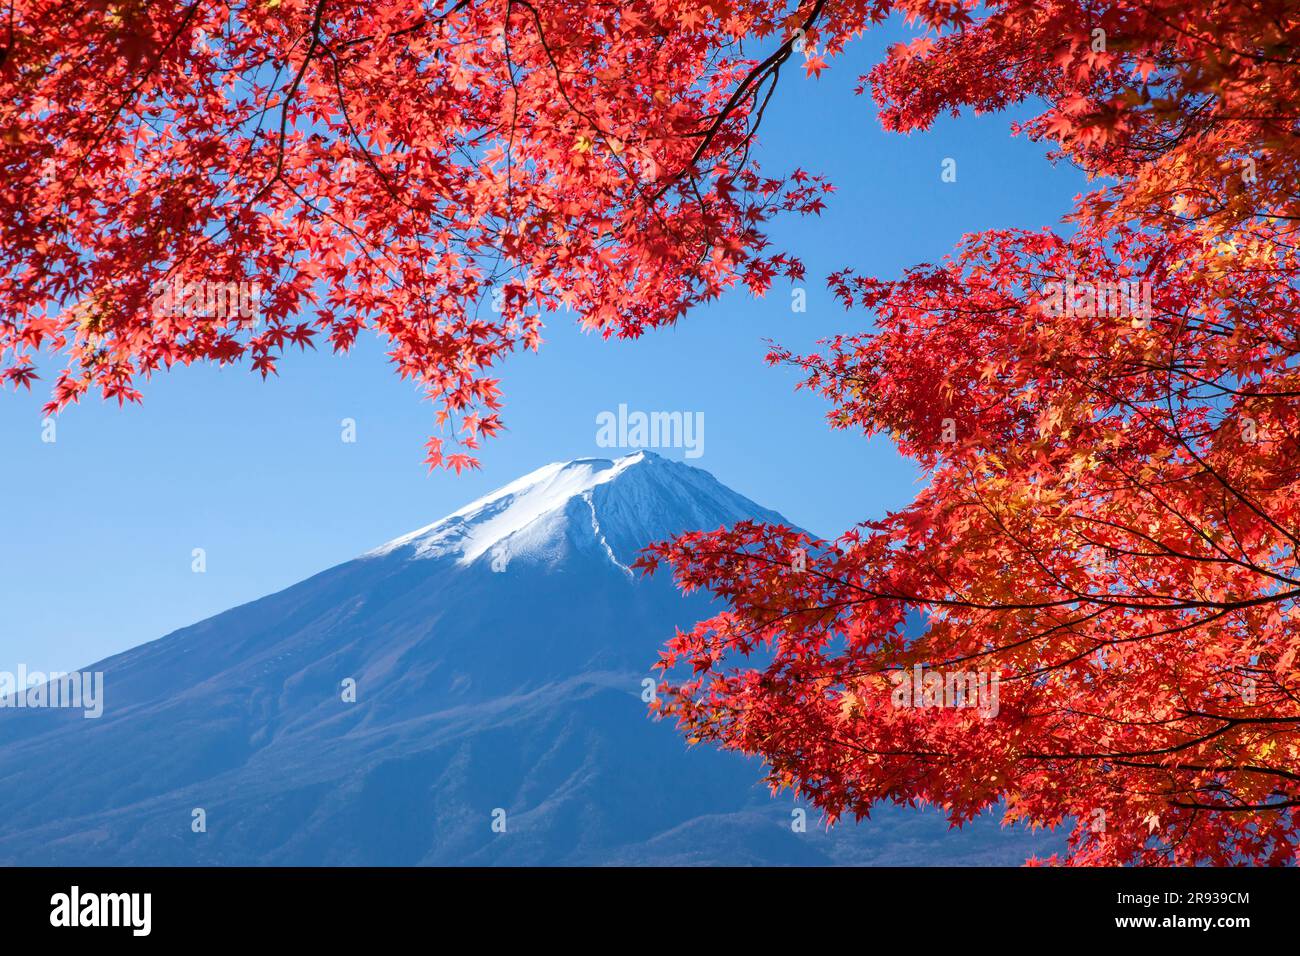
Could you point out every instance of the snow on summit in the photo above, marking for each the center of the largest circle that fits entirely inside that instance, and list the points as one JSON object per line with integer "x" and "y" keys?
{"x": 630, "y": 500}
{"x": 481, "y": 524}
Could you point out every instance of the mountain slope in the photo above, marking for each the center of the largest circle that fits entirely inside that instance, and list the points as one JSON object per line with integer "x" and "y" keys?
{"x": 497, "y": 657}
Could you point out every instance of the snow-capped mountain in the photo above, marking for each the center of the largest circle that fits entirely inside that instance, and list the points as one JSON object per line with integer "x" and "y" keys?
{"x": 469, "y": 693}
{"x": 642, "y": 496}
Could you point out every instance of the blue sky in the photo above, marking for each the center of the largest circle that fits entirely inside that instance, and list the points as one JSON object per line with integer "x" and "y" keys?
{"x": 101, "y": 524}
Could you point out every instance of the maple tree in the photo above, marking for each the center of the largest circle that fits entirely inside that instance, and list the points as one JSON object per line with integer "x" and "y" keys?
{"x": 444, "y": 174}
{"x": 1107, "y": 417}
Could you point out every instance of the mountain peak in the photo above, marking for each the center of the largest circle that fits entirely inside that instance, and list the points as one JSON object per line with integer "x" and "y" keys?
{"x": 624, "y": 503}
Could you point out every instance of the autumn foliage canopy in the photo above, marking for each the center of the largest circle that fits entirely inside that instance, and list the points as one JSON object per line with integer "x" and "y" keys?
{"x": 1108, "y": 417}
{"x": 1107, "y": 412}
{"x": 443, "y": 175}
